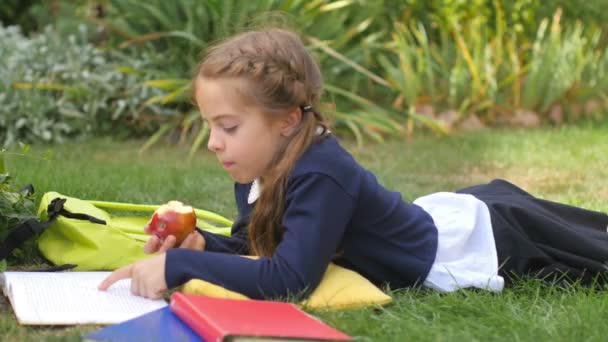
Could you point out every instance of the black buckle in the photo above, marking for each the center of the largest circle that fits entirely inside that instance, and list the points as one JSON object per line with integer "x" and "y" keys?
{"x": 55, "y": 207}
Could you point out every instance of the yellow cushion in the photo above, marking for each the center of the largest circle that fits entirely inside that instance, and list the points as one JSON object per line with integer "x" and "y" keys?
{"x": 340, "y": 288}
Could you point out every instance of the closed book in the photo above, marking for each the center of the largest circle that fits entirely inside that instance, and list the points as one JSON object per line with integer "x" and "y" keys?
{"x": 157, "y": 326}
{"x": 219, "y": 320}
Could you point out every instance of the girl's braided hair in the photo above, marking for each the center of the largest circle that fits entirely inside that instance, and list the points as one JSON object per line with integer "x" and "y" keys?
{"x": 281, "y": 76}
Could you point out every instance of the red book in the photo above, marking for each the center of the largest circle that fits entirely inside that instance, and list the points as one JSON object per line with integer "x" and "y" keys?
{"x": 216, "y": 319}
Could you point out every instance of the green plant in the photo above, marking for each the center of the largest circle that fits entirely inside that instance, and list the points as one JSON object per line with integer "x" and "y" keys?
{"x": 477, "y": 70}
{"x": 341, "y": 33}
{"x": 461, "y": 71}
{"x": 15, "y": 207}
{"x": 55, "y": 88}
{"x": 17, "y": 12}
{"x": 471, "y": 58}
{"x": 566, "y": 66}
{"x": 384, "y": 62}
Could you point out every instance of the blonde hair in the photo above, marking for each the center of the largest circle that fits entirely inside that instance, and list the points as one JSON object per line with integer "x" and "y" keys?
{"x": 281, "y": 75}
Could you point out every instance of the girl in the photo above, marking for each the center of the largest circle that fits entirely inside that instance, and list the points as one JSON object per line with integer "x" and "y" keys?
{"x": 304, "y": 202}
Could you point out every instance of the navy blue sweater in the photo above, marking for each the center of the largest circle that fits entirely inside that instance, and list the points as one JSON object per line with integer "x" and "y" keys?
{"x": 335, "y": 210}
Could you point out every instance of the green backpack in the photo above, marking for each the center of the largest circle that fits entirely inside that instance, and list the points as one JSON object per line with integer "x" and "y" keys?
{"x": 95, "y": 235}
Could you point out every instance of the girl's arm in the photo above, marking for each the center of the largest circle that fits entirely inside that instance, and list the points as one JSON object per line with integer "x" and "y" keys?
{"x": 234, "y": 244}
{"x": 316, "y": 215}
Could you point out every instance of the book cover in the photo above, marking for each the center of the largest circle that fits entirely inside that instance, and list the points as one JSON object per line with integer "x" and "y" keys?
{"x": 158, "y": 325}
{"x": 217, "y": 319}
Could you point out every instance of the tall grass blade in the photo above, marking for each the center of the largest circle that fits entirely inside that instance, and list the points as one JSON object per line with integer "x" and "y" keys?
{"x": 164, "y": 129}
{"x": 199, "y": 140}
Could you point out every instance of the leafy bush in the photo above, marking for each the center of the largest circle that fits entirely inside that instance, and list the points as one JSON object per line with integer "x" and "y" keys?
{"x": 15, "y": 207}
{"x": 18, "y": 12}
{"x": 566, "y": 66}
{"x": 474, "y": 69}
{"x": 57, "y": 87}
{"x": 522, "y": 17}
{"x": 174, "y": 34}
{"x": 388, "y": 65}
{"x": 459, "y": 57}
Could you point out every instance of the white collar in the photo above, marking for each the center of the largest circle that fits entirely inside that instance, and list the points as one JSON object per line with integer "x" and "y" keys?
{"x": 254, "y": 191}
{"x": 256, "y": 188}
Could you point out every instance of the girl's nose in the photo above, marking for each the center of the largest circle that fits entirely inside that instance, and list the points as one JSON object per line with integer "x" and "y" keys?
{"x": 214, "y": 144}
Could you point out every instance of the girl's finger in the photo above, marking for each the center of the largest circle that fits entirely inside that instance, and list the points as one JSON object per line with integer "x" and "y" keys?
{"x": 152, "y": 245}
{"x": 168, "y": 243}
{"x": 188, "y": 241}
{"x": 142, "y": 289}
{"x": 199, "y": 242}
{"x": 194, "y": 241}
{"x": 124, "y": 272}
{"x": 158, "y": 294}
{"x": 134, "y": 286}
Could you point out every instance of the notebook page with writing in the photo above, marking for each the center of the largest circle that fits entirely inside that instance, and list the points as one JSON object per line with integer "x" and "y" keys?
{"x": 63, "y": 298}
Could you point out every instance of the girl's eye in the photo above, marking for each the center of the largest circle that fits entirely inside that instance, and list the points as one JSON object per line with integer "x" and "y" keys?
{"x": 230, "y": 129}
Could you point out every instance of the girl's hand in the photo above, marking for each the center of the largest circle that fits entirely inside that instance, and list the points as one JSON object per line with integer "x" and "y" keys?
{"x": 147, "y": 277}
{"x": 194, "y": 241}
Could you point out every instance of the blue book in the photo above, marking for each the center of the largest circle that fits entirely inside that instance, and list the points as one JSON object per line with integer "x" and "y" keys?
{"x": 158, "y": 325}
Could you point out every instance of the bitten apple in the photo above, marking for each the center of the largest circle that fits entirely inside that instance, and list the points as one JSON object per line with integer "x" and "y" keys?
{"x": 173, "y": 218}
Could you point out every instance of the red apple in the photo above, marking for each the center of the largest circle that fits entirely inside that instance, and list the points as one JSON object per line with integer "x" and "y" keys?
{"x": 173, "y": 218}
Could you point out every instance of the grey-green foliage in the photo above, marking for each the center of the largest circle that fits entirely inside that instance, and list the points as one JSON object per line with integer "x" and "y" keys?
{"x": 53, "y": 87}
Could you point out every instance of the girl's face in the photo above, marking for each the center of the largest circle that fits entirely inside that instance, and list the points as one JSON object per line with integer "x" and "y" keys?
{"x": 242, "y": 137}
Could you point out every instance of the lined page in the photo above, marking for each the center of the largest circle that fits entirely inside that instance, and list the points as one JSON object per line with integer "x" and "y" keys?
{"x": 59, "y": 298}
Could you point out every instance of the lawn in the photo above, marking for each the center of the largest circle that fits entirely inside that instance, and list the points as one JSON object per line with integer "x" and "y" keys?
{"x": 566, "y": 164}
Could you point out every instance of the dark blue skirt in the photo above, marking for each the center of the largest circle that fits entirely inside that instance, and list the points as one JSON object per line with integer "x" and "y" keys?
{"x": 540, "y": 238}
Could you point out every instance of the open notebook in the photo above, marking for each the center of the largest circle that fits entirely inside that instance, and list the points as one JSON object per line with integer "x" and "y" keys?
{"x": 66, "y": 298}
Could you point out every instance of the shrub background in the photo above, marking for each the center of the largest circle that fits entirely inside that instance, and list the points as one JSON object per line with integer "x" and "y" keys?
{"x": 392, "y": 68}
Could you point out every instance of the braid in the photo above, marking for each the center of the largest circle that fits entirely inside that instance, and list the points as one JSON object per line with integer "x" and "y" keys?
{"x": 282, "y": 76}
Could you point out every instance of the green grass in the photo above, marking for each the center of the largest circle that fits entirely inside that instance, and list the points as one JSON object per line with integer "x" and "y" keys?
{"x": 567, "y": 164}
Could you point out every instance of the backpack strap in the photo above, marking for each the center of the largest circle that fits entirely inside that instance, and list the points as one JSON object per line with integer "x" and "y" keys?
{"x": 56, "y": 208}
{"x": 20, "y": 234}
{"x": 24, "y": 232}
{"x": 30, "y": 228}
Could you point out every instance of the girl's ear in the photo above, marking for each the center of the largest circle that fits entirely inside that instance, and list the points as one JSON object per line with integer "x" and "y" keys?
{"x": 291, "y": 121}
